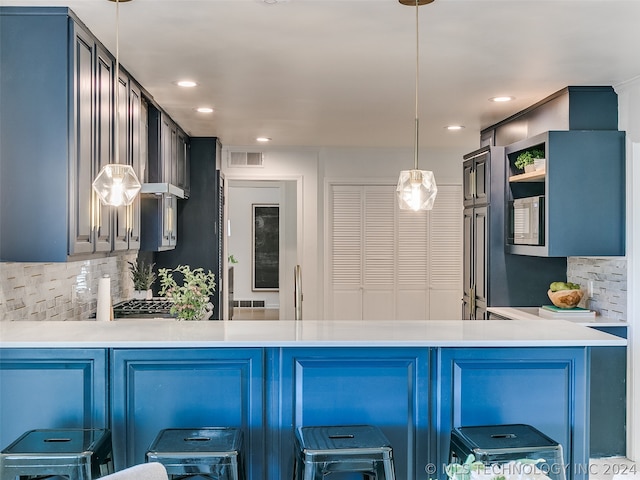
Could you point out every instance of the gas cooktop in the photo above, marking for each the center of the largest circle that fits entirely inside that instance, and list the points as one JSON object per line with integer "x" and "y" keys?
{"x": 155, "y": 308}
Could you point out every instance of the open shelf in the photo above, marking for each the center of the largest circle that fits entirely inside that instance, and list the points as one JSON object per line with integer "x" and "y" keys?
{"x": 535, "y": 176}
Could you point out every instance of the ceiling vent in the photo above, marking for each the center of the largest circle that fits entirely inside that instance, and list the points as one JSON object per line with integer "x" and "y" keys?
{"x": 246, "y": 159}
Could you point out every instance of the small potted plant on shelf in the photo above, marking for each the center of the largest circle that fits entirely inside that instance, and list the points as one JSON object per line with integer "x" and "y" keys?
{"x": 191, "y": 299}
{"x": 530, "y": 160}
{"x": 143, "y": 277}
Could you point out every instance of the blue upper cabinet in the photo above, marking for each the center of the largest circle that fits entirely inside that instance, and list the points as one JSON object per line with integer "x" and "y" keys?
{"x": 57, "y": 129}
{"x": 583, "y": 186}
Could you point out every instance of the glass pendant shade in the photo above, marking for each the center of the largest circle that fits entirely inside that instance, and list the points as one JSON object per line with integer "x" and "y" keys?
{"x": 416, "y": 190}
{"x": 117, "y": 185}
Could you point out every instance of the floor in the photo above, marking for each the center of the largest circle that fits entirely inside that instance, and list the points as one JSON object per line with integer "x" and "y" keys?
{"x": 255, "y": 313}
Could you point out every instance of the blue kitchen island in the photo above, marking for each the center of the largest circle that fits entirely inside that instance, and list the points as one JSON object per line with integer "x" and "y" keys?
{"x": 416, "y": 380}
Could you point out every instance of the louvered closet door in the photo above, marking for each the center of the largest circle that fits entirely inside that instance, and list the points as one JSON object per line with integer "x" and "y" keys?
{"x": 346, "y": 253}
{"x": 412, "y": 252}
{"x": 378, "y": 255}
{"x": 446, "y": 259}
{"x": 386, "y": 263}
{"x": 378, "y": 262}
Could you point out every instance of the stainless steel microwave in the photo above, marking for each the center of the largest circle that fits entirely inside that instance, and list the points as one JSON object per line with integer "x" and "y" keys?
{"x": 528, "y": 221}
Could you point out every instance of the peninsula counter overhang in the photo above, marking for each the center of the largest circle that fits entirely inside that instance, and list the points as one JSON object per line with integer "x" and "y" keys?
{"x": 169, "y": 333}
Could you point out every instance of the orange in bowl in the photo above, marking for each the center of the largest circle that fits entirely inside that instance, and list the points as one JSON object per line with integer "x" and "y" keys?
{"x": 565, "y": 298}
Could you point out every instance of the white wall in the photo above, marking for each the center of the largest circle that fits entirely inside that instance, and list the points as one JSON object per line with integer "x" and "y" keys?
{"x": 629, "y": 120}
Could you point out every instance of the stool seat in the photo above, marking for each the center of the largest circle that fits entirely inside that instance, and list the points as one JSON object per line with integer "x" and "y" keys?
{"x": 78, "y": 454}
{"x": 214, "y": 452}
{"x": 499, "y": 444}
{"x": 362, "y": 449}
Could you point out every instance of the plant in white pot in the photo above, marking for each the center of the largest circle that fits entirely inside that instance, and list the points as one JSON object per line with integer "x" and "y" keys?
{"x": 143, "y": 277}
{"x": 530, "y": 160}
{"x": 191, "y": 299}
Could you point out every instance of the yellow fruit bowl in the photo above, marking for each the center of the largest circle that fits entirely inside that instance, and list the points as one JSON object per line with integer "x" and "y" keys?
{"x": 565, "y": 298}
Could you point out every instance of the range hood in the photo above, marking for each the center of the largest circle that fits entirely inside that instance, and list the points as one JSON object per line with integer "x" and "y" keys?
{"x": 161, "y": 188}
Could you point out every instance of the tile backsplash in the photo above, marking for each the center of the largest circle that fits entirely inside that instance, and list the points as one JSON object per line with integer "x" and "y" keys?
{"x": 609, "y": 277}
{"x": 68, "y": 291}
{"x": 60, "y": 291}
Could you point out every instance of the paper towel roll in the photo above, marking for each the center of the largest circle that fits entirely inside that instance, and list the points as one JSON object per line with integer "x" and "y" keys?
{"x": 103, "y": 310}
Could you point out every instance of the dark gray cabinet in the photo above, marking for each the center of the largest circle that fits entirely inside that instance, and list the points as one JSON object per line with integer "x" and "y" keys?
{"x": 584, "y": 191}
{"x": 159, "y": 214}
{"x": 477, "y": 185}
{"x": 54, "y": 138}
{"x": 168, "y": 154}
{"x": 491, "y": 276}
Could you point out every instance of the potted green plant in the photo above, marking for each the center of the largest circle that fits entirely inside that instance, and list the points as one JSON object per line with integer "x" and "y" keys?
{"x": 527, "y": 160}
{"x": 143, "y": 277}
{"x": 191, "y": 299}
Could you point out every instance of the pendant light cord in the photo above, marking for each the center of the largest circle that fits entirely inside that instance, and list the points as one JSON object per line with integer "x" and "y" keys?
{"x": 417, "y": 82}
{"x": 117, "y": 86}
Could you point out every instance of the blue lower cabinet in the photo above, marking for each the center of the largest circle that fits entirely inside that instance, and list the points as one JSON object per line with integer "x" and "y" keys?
{"x": 51, "y": 388}
{"x": 546, "y": 388}
{"x": 154, "y": 389}
{"x": 386, "y": 387}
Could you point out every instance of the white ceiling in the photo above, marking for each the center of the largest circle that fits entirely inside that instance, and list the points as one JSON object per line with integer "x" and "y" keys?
{"x": 342, "y": 72}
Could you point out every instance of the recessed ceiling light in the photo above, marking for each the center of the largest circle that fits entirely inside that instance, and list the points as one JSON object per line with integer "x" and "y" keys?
{"x": 204, "y": 110}
{"x": 503, "y": 98}
{"x": 263, "y": 139}
{"x": 186, "y": 83}
{"x": 454, "y": 127}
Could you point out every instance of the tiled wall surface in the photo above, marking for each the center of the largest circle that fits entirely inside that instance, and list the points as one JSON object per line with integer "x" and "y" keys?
{"x": 60, "y": 291}
{"x": 609, "y": 277}
{"x": 68, "y": 291}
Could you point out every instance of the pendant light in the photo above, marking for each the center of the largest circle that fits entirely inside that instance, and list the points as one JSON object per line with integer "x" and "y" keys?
{"x": 416, "y": 188}
{"x": 117, "y": 184}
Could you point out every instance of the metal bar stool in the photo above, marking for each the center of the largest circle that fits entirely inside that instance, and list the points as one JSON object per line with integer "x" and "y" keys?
{"x": 348, "y": 448}
{"x": 214, "y": 452}
{"x": 500, "y": 444}
{"x": 78, "y": 454}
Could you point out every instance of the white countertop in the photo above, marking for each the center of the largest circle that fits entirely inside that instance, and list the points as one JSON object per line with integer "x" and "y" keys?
{"x": 531, "y": 313}
{"x": 169, "y": 333}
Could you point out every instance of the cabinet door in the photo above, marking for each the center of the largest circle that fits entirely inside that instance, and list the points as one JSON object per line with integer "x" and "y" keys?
{"x": 51, "y": 388}
{"x": 480, "y": 249}
{"x": 481, "y": 178}
{"x": 154, "y": 389}
{"x": 120, "y": 214}
{"x": 387, "y": 387}
{"x": 158, "y": 222}
{"x": 475, "y": 180}
{"x": 103, "y": 143}
{"x": 81, "y": 215}
{"x": 169, "y": 224}
{"x": 182, "y": 170}
{"x": 468, "y": 182}
{"x": 136, "y": 150}
{"x": 169, "y": 141}
{"x": 543, "y": 387}
{"x": 467, "y": 263}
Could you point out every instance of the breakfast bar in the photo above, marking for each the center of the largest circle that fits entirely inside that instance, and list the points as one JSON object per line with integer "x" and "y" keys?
{"x": 416, "y": 380}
